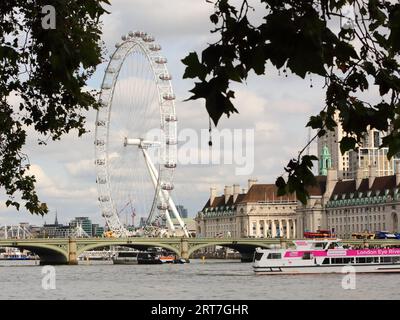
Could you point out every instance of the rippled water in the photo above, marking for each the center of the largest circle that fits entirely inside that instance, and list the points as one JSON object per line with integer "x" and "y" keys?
{"x": 214, "y": 279}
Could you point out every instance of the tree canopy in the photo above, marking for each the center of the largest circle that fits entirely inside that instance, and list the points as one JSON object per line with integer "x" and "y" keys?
{"x": 301, "y": 36}
{"x": 47, "y": 69}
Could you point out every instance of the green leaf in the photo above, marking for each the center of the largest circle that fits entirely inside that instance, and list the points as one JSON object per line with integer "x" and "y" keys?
{"x": 347, "y": 143}
{"x": 194, "y": 67}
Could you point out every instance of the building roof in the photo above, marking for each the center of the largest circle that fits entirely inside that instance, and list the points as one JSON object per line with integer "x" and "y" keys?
{"x": 257, "y": 193}
{"x": 380, "y": 184}
{"x": 265, "y": 192}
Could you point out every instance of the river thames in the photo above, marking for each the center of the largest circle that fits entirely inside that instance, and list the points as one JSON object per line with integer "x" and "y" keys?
{"x": 212, "y": 279}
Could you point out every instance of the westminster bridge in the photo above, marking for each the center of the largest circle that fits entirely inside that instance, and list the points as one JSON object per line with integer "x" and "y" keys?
{"x": 67, "y": 250}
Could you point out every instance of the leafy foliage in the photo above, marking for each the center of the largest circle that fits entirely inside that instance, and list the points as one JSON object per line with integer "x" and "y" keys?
{"x": 47, "y": 70}
{"x": 300, "y": 36}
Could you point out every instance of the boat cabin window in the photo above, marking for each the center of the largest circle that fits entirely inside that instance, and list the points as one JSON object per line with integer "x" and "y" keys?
{"x": 257, "y": 256}
{"x": 326, "y": 261}
{"x": 274, "y": 256}
{"x": 390, "y": 259}
{"x": 319, "y": 245}
{"x": 337, "y": 261}
{"x": 360, "y": 260}
{"x": 307, "y": 255}
{"x": 127, "y": 254}
{"x": 334, "y": 245}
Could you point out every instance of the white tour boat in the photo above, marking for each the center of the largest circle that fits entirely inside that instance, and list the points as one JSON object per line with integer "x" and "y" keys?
{"x": 324, "y": 256}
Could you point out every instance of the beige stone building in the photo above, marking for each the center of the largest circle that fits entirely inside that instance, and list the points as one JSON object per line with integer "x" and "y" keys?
{"x": 258, "y": 212}
{"x": 350, "y": 206}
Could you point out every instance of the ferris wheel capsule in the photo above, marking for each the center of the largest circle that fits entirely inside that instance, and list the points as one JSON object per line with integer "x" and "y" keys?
{"x": 100, "y": 162}
{"x": 148, "y": 38}
{"x": 160, "y": 60}
{"x": 140, "y": 34}
{"x": 101, "y": 180}
{"x": 171, "y": 118}
{"x": 165, "y": 76}
{"x": 162, "y": 206}
{"x": 169, "y": 96}
{"x": 104, "y": 198}
{"x": 170, "y": 165}
{"x": 155, "y": 47}
{"x": 167, "y": 186}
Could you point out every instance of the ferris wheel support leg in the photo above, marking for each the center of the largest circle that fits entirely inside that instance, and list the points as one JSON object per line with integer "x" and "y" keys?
{"x": 154, "y": 178}
{"x": 154, "y": 173}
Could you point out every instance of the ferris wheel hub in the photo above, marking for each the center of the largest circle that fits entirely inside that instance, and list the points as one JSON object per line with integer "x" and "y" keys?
{"x": 141, "y": 143}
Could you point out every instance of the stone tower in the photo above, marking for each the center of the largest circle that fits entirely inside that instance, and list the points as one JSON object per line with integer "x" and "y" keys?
{"x": 325, "y": 161}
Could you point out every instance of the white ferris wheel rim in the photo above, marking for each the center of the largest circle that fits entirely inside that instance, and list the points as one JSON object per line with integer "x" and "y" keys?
{"x": 167, "y": 125}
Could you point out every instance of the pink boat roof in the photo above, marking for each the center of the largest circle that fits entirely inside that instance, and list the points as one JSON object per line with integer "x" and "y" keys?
{"x": 345, "y": 253}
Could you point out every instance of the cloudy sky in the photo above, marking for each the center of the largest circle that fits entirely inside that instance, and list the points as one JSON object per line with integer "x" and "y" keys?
{"x": 276, "y": 107}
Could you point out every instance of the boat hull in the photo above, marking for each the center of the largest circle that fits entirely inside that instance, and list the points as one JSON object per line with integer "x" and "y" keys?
{"x": 342, "y": 269}
{"x": 119, "y": 261}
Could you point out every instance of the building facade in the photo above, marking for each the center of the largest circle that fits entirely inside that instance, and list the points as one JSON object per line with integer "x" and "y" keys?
{"x": 355, "y": 205}
{"x": 368, "y": 153}
{"x": 259, "y": 212}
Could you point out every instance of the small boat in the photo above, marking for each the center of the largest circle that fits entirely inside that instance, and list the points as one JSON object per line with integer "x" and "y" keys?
{"x": 135, "y": 257}
{"x": 145, "y": 257}
{"x": 325, "y": 256}
{"x": 15, "y": 254}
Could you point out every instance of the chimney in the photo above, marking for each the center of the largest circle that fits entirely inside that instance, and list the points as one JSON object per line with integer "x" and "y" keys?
{"x": 236, "y": 191}
{"x": 371, "y": 176}
{"x": 213, "y": 194}
{"x": 331, "y": 180}
{"x": 244, "y": 190}
{"x": 359, "y": 177}
{"x": 397, "y": 164}
{"x": 251, "y": 182}
{"x": 227, "y": 193}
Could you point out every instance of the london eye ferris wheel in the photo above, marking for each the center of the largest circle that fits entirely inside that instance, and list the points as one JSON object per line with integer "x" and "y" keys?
{"x": 136, "y": 136}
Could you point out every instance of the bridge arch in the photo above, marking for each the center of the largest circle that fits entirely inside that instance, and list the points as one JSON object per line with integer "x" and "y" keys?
{"x": 240, "y": 246}
{"x": 128, "y": 244}
{"x": 48, "y": 254}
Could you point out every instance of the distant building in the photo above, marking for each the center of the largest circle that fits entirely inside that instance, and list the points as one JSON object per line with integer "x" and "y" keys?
{"x": 182, "y": 211}
{"x": 190, "y": 225}
{"x": 368, "y": 153}
{"x": 84, "y": 222}
{"x": 259, "y": 212}
{"x": 97, "y": 231}
{"x": 142, "y": 222}
{"x": 55, "y": 230}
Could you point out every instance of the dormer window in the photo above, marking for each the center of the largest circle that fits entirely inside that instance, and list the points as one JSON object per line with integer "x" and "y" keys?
{"x": 360, "y": 194}
{"x": 386, "y": 192}
{"x": 369, "y": 193}
{"x": 335, "y": 197}
{"x": 351, "y": 195}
